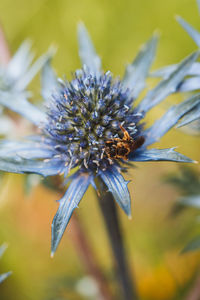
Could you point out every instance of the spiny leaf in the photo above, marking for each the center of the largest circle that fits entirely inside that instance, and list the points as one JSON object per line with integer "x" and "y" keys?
{"x": 136, "y": 73}
{"x": 87, "y": 51}
{"x": 67, "y": 204}
{"x": 193, "y": 115}
{"x": 167, "y": 86}
{"x": 117, "y": 186}
{"x": 160, "y": 155}
{"x": 195, "y": 35}
{"x": 170, "y": 118}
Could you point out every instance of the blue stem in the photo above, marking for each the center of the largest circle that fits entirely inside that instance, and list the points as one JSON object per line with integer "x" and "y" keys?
{"x": 109, "y": 211}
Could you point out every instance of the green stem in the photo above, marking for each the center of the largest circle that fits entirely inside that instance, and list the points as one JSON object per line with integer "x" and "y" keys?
{"x": 109, "y": 211}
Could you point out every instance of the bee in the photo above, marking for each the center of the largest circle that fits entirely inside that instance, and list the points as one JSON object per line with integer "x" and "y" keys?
{"x": 121, "y": 147}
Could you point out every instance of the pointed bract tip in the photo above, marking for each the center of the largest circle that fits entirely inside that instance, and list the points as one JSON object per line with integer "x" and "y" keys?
{"x": 9, "y": 273}
{"x": 130, "y": 217}
{"x": 82, "y": 31}
{"x": 178, "y": 18}
{"x": 81, "y": 26}
{"x": 80, "y": 23}
{"x": 52, "y": 254}
{"x": 157, "y": 33}
{"x": 127, "y": 211}
{"x": 27, "y": 43}
{"x": 4, "y": 245}
{"x": 52, "y": 50}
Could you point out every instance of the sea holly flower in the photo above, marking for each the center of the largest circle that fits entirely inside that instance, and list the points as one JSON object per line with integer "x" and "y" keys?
{"x": 93, "y": 127}
{"x": 4, "y": 275}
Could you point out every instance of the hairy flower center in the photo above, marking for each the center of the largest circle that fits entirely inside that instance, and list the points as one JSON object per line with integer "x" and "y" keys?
{"x": 91, "y": 121}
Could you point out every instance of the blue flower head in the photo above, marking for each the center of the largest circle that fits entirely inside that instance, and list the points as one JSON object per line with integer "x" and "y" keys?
{"x": 86, "y": 123}
{"x": 93, "y": 126}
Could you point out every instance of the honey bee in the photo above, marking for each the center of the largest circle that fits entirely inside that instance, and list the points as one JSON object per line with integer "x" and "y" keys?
{"x": 120, "y": 148}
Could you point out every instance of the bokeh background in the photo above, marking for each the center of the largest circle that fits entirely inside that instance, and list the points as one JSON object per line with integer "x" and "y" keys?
{"x": 153, "y": 238}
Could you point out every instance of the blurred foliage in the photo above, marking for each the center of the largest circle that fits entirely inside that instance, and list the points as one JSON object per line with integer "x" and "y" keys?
{"x": 153, "y": 241}
{"x": 188, "y": 182}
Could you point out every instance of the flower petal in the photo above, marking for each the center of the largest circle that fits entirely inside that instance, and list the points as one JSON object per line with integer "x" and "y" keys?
{"x": 189, "y": 84}
{"x": 20, "y": 166}
{"x": 87, "y": 51}
{"x": 67, "y": 204}
{"x": 166, "y": 71}
{"x": 193, "y": 128}
{"x": 160, "y": 155}
{"x": 49, "y": 81}
{"x": 193, "y": 115}
{"x": 117, "y": 186}
{"x": 4, "y": 276}
{"x": 22, "y": 83}
{"x": 20, "y": 62}
{"x": 195, "y": 35}
{"x": 3, "y": 249}
{"x": 19, "y": 104}
{"x": 170, "y": 118}
{"x": 167, "y": 86}
{"x": 16, "y": 158}
{"x": 136, "y": 73}
{"x": 25, "y": 149}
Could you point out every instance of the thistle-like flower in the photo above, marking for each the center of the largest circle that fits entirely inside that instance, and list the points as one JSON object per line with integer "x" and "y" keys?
{"x": 92, "y": 125}
{"x": 4, "y": 275}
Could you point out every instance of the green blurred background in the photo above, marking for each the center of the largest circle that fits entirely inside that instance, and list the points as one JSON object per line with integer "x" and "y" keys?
{"x": 153, "y": 239}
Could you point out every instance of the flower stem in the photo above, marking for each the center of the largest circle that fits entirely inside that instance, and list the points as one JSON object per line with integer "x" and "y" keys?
{"x": 88, "y": 258}
{"x": 109, "y": 211}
